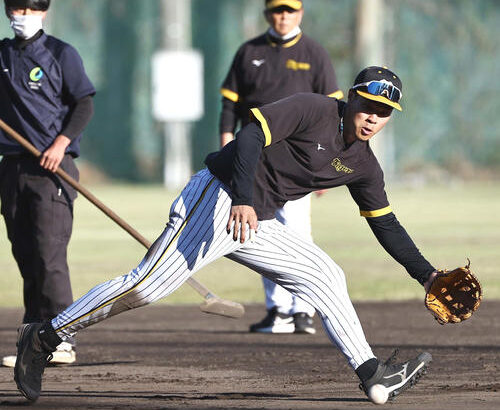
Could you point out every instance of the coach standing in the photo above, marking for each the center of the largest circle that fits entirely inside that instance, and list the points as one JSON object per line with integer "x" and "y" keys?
{"x": 46, "y": 96}
{"x": 281, "y": 62}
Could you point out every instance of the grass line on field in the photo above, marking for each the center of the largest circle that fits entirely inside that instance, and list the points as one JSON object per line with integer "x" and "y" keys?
{"x": 446, "y": 231}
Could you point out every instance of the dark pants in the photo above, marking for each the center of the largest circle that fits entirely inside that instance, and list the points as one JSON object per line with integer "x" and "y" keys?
{"x": 38, "y": 211}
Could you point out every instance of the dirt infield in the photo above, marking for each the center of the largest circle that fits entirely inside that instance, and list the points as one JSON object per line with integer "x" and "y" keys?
{"x": 165, "y": 357}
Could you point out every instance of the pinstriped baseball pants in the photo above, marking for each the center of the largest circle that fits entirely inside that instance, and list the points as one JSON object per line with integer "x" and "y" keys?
{"x": 195, "y": 236}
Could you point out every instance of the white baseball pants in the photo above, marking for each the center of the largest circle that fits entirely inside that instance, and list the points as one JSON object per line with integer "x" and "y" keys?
{"x": 196, "y": 235}
{"x": 296, "y": 215}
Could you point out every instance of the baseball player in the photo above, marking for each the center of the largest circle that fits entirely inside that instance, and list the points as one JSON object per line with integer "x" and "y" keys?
{"x": 281, "y": 62}
{"x": 290, "y": 148}
{"x": 46, "y": 96}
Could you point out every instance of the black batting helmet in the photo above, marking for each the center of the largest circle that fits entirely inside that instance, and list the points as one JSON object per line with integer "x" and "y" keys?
{"x": 27, "y": 4}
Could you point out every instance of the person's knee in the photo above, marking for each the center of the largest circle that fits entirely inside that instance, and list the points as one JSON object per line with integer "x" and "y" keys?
{"x": 137, "y": 290}
{"x": 332, "y": 281}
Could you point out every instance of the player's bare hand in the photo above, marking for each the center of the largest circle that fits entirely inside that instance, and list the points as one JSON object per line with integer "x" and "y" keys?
{"x": 52, "y": 156}
{"x": 239, "y": 218}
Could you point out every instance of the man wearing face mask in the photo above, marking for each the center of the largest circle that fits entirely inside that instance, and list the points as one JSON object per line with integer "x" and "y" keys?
{"x": 281, "y": 62}
{"x": 46, "y": 96}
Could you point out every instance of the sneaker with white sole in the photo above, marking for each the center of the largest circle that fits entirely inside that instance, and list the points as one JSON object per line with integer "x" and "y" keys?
{"x": 391, "y": 379}
{"x": 64, "y": 354}
{"x": 274, "y": 322}
{"x": 303, "y": 323}
{"x": 9, "y": 361}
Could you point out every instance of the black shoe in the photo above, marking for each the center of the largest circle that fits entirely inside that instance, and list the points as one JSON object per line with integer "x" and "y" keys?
{"x": 32, "y": 358}
{"x": 274, "y": 322}
{"x": 303, "y": 323}
{"x": 391, "y": 379}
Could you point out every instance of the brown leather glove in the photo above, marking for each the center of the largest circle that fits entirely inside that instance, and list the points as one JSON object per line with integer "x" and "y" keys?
{"x": 454, "y": 295}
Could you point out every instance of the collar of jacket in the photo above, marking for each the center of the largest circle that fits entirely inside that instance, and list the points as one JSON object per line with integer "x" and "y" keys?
{"x": 22, "y": 43}
{"x": 275, "y": 41}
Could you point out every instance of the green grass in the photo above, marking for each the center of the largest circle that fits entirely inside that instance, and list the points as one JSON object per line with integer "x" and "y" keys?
{"x": 448, "y": 224}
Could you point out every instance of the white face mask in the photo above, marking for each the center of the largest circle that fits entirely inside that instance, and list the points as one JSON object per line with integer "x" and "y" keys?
{"x": 26, "y": 26}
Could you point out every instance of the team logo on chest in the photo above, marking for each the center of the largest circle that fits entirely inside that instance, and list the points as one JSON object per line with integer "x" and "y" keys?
{"x": 36, "y": 74}
{"x": 339, "y": 167}
{"x": 297, "y": 65}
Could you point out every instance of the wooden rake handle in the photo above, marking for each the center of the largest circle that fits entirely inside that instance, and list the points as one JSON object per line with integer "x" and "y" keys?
{"x": 232, "y": 309}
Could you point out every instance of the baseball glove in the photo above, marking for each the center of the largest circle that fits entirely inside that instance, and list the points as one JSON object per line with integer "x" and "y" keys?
{"x": 454, "y": 295}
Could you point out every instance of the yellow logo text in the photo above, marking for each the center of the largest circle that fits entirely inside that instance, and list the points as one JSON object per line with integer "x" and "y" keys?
{"x": 295, "y": 65}
{"x": 341, "y": 168}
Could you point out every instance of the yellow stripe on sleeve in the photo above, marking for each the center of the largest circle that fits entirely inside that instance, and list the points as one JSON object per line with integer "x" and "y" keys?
{"x": 377, "y": 212}
{"x": 263, "y": 124}
{"x": 337, "y": 94}
{"x": 230, "y": 95}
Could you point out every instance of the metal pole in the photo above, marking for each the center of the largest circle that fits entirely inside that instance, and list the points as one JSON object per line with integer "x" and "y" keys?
{"x": 176, "y": 15}
{"x": 372, "y": 49}
{"x": 369, "y": 33}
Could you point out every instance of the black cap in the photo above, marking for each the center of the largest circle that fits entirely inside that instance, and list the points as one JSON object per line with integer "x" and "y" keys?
{"x": 41, "y": 5}
{"x": 293, "y": 4}
{"x": 387, "y": 95}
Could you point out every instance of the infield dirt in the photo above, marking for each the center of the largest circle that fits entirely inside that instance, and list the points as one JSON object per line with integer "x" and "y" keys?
{"x": 176, "y": 357}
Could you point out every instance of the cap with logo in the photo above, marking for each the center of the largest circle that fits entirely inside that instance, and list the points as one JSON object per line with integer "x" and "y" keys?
{"x": 293, "y": 4}
{"x": 379, "y": 84}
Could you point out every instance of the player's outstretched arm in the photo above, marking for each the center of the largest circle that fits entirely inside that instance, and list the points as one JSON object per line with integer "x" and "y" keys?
{"x": 451, "y": 296}
{"x": 396, "y": 241}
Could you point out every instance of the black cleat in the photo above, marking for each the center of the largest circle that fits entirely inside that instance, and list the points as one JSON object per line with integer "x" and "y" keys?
{"x": 303, "y": 323}
{"x": 274, "y": 322}
{"x": 391, "y": 379}
{"x": 31, "y": 361}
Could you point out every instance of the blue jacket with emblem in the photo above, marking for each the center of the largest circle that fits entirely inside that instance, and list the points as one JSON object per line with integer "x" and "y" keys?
{"x": 39, "y": 84}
